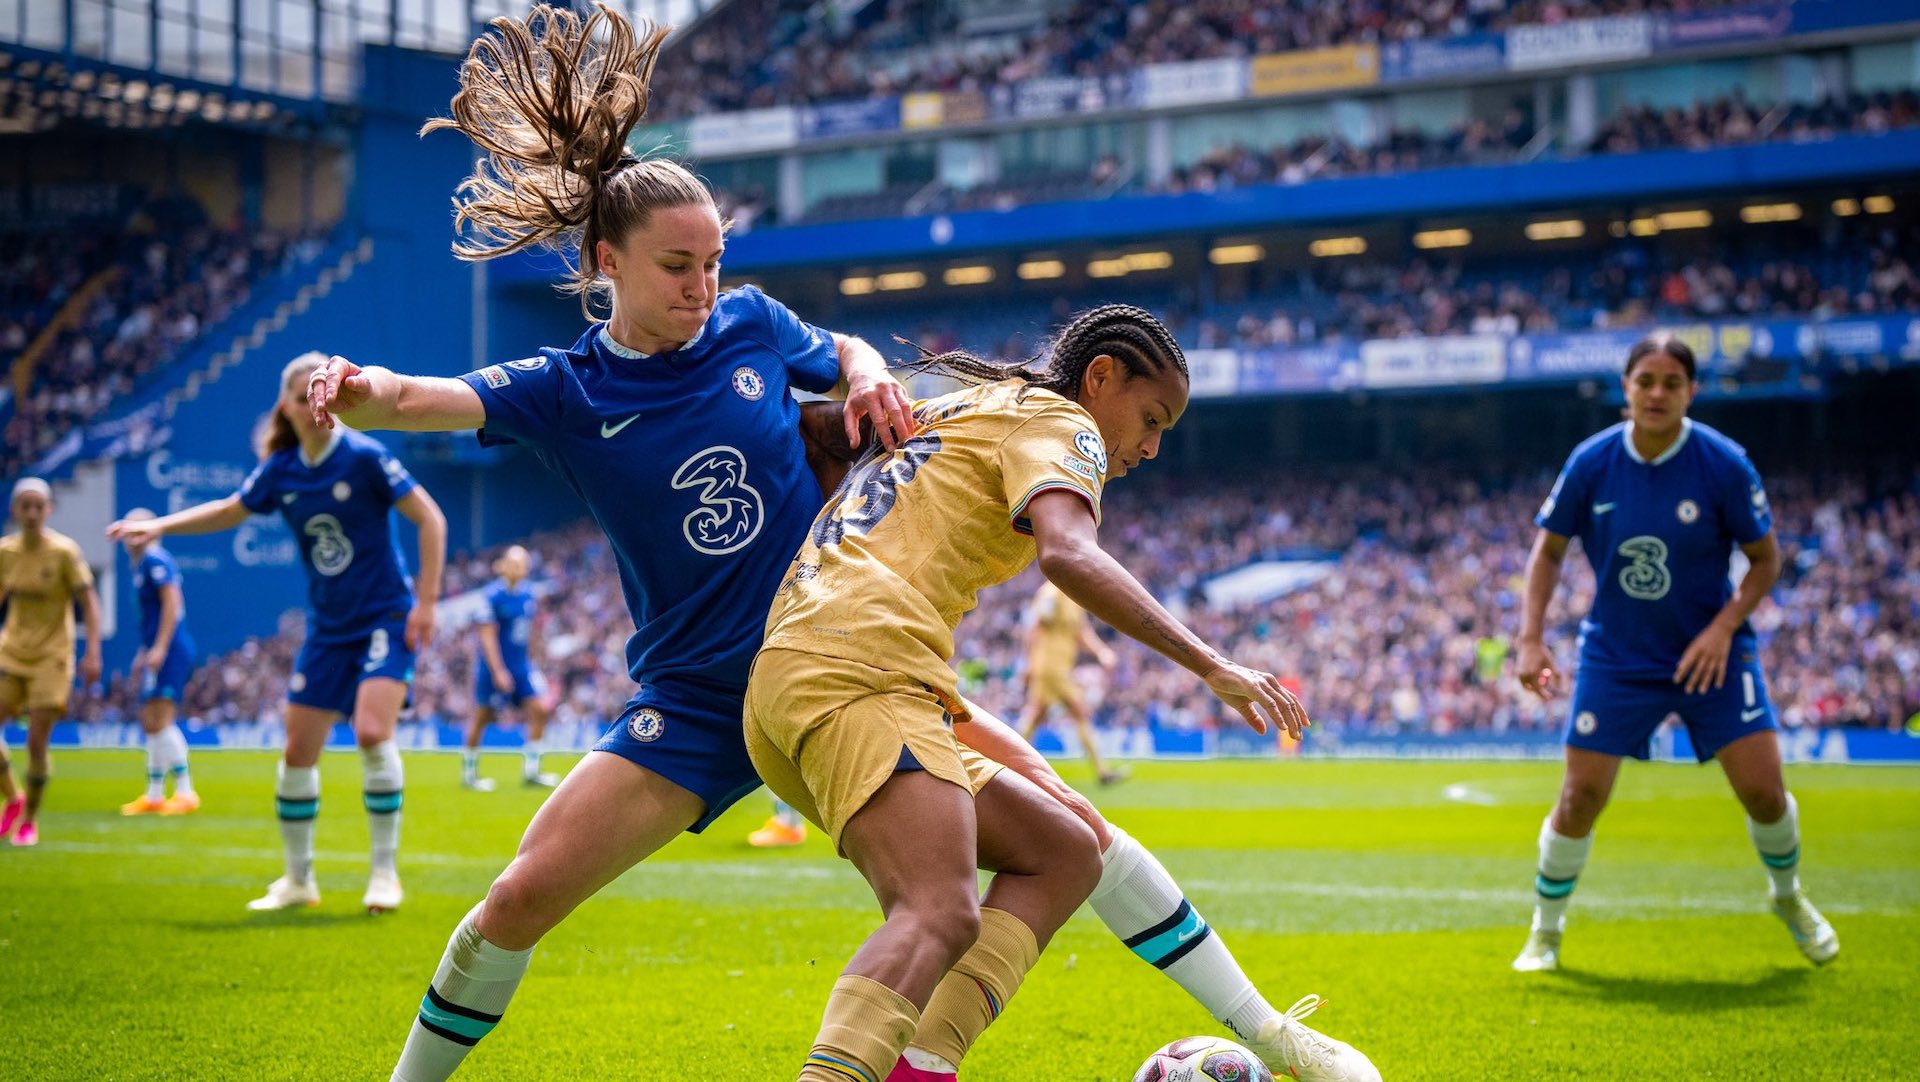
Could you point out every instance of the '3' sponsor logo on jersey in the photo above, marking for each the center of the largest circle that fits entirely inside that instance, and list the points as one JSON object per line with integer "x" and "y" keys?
{"x": 609, "y": 431}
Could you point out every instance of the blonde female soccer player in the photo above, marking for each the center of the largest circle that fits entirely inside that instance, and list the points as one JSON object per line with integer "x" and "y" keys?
{"x": 852, "y": 707}
{"x": 366, "y": 618}
{"x": 1659, "y": 503}
{"x": 42, "y": 574}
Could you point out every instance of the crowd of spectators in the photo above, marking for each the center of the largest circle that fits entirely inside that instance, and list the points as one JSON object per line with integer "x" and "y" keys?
{"x": 760, "y": 53}
{"x": 1409, "y": 631}
{"x": 162, "y": 287}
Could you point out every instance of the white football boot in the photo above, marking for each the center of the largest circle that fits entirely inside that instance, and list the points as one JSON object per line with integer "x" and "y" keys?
{"x": 383, "y": 893}
{"x": 478, "y": 785}
{"x": 286, "y": 893}
{"x": 1288, "y": 1044}
{"x": 1541, "y": 954}
{"x": 1815, "y": 937}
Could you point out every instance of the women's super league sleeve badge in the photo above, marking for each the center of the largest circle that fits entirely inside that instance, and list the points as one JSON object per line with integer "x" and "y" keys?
{"x": 1092, "y": 449}
{"x": 748, "y": 384}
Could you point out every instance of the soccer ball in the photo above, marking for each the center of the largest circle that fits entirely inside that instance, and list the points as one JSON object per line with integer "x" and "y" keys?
{"x": 1203, "y": 1059}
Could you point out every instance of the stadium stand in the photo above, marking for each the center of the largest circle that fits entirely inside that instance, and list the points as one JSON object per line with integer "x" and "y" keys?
{"x": 1409, "y": 630}
{"x": 781, "y": 52}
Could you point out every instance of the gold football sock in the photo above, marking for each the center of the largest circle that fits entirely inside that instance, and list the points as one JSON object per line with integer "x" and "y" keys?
{"x": 977, "y": 988}
{"x": 865, "y": 1027}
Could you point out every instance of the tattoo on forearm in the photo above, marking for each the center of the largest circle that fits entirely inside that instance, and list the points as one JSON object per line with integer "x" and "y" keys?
{"x": 1166, "y": 632}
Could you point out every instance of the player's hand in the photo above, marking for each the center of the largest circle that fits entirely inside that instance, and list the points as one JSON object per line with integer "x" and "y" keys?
{"x": 90, "y": 668}
{"x": 1704, "y": 666}
{"x": 502, "y": 682}
{"x": 881, "y": 400}
{"x": 420, "y": 624}
{"x": 1537, "y": 673}
{"x": 1259, "y": 698}
{"x": 1106, "y": 660}
{"x": 150, "y": 660}
{"x": 339, "y": 386}
{"x": 141, "y": 532}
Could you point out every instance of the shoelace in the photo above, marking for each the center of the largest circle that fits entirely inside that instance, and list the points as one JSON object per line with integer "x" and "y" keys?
{"x": 1305, "y": 1042}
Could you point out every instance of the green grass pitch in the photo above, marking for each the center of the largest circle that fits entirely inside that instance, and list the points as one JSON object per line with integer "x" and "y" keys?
{"x": 1399, "y": 891}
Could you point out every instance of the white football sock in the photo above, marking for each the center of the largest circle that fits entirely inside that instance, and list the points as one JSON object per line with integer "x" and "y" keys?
{"x": 297, "y": 800}
{"x": 1779, "y": 846}
{"x": 1141, "y": 903}
{"x": 1561, "y": 860}
{"x": 382, "y": 791}
{"x": 468, "y": 995}
{"x": 156, "y": 767}
{"x": 175, "y": 744}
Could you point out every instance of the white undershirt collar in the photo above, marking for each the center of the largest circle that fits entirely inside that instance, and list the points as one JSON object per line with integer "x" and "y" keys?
{"x": 618, "y": 350}
{"x": 1686, "y": 429}
{"x": 325, "y": 453}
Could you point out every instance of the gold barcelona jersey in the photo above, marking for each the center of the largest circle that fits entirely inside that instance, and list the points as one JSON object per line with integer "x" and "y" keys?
{"x": 1057, "y": 621}
{"x": 901, "y": 551}
{"x": 40, "y": 583}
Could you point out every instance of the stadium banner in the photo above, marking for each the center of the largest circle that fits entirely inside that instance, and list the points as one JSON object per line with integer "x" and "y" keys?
{"x": 1726, "y": 26}
{"x": 745, "y": 132}
{"x": 1581, "y": 41}
{"x": 1797, "y": 745}
{"x": 1300, "y": 370}
{"x": 1308, "y": 70}
{"x": 1059, "y": 96}
{"x": 53, "y": 208}
{"x": 922, "y": 109}
{"x": 1556, "y": 356}
{"x": 1846, "y": 14}
{"x": 837, "y": 118}
{"x": 1433, "y": 362}
{"x": 1191, "y": 82}
{"x": 1445, "y": 58}
{"x": 1213, "y": 373}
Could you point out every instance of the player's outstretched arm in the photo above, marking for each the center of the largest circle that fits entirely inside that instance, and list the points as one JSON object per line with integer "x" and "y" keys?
{"x": 214, "y": 516}
{"x": 1070, "y": 555}
{"x": 377, "y": 399}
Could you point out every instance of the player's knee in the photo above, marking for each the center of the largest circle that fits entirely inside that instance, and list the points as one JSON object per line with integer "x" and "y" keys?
{"x": 947, "y": 922}
{"x": 1765, "y": 803}
{"x": 517, "y": 912}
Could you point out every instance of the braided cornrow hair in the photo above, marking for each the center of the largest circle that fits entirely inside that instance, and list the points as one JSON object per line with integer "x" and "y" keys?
{"x": 1132, "y": 336}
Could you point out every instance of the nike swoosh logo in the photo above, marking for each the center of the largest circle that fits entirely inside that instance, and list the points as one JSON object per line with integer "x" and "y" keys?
{"x": 1186, "y": 935}
{"x": 1753, "y": 715}
{"x": 1603, "y": 508}
{"x": 608, "y": 431}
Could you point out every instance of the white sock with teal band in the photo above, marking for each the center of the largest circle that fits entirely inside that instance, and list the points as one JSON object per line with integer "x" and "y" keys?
{"x": 1140, "y": 902}
{"x": 1561, "y": 861}
{"x": 383, "y": 794}
{"x": 156, "y": 768}
{"x": 530, "y": 758}
{"x": 1779, "y": 846}
{"x": 297, "y": 802}
{"x": 469, "y": 993}
{"x": 174, "y": 747}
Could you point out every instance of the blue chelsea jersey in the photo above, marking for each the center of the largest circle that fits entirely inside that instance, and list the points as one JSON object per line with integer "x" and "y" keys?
{"x": 156, "y": 572}
{"x": 340, "y": 508}
{"x": 691, "y": 462}
{"x": 1660, "y": 535}
{"x": 510, "y": 611}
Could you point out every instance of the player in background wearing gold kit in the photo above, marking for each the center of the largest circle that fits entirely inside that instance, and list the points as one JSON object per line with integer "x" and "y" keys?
{"x": 852, "y": 708}
{"x": 42, "y": 574}
{"x": 1057, "y": 629}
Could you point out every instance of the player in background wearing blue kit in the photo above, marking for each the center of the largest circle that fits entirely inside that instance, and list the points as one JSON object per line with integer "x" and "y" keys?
{"x": 503, "y": 673}
{"x": 337, "y": 492}
{"x": 1659, "y": 502}
{"x": 161, "y": 669}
